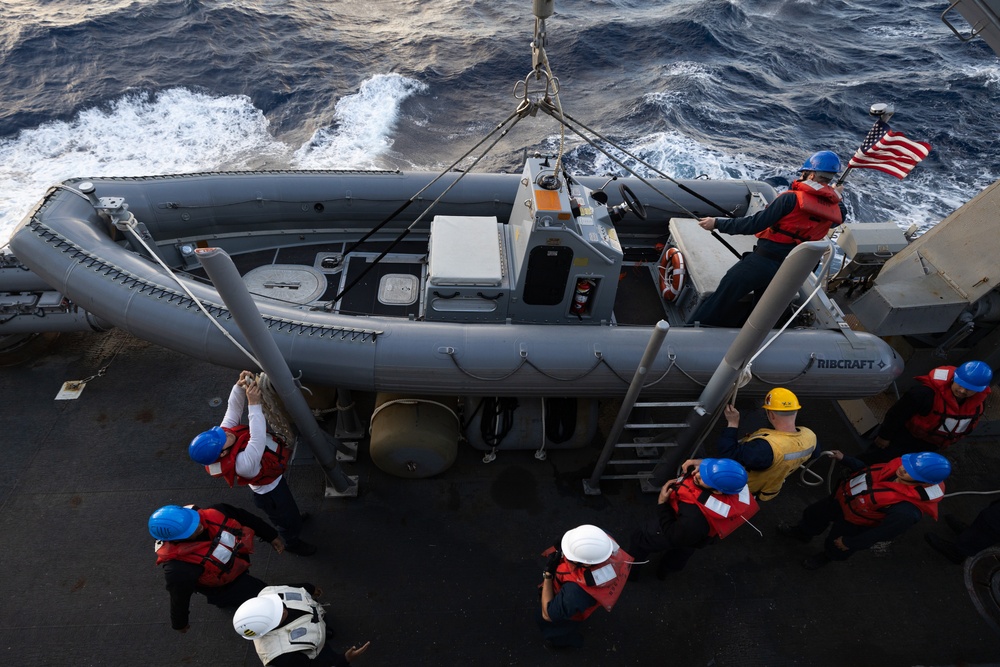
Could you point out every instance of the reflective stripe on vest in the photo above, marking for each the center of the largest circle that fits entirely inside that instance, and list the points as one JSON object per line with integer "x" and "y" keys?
{"x": 865, "y": 498}
{"x": 224, "y": 556}
{"x": 724, "y": 512}
{"x": 816, "y": 210}
{"x": 789, "y": 451}
{"x": 305, "y": 634}
{"x": 948, "y": 420}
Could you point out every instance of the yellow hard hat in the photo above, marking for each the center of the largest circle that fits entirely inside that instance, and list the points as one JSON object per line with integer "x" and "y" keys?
{"x": 781, "y": 400}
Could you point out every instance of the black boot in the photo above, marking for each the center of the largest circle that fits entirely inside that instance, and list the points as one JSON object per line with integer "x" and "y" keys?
{"x": 301, "y": 548}
{"x": 946, "y": 548}
{"x": 794, "y": 532}
{"x": 817, "y": 561}
{"x": 957, "y": 526}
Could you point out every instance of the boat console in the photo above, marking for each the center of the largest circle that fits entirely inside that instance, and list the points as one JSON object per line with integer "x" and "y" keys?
{"x": 557, "y": 261}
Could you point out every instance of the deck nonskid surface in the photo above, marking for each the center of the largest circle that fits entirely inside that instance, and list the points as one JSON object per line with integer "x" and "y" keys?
{"x": 437, "y": 571}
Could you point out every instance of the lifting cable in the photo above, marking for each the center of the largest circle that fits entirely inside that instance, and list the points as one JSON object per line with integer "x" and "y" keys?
{"x": 129, "y": 223}
{"x": 525, "y": 108}
{"x": 516, "y": 116}
{"x": 541, "y": 68}
{"x": 660, "y": 173}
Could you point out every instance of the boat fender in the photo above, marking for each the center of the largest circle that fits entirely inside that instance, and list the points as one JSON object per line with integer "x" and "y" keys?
{"x": 671, "y": 270}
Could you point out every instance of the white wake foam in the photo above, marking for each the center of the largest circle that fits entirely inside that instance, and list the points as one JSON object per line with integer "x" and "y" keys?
{"x": 178, "y": 131}
{"x": 173, "y": 132}
{"x": 363, "y": 126}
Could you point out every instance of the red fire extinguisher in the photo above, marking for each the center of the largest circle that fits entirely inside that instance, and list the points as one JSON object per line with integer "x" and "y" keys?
{"x": 581, "y": 296}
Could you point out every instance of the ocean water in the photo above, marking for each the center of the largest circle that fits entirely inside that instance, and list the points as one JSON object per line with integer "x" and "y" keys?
{"x": 724, "y": 88}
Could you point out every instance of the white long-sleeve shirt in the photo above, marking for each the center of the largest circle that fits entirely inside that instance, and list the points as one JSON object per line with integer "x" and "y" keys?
{"x": 248, "y": 461}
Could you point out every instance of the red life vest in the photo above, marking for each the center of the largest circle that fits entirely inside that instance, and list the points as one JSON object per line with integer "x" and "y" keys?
{"x": 865, "y": 497}
{"x": 948, "y": 421}
{"x": 224, "y": 556}
{"x": 272, "y": 463}
{"x": 724, "y": 512}
{"x": 817, "y": 209}
{"x": 604, "y": 581}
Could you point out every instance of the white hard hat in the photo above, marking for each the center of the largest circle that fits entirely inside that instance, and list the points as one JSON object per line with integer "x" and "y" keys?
{"x": 258, "y": 616}
{"x": 587, "y": 544}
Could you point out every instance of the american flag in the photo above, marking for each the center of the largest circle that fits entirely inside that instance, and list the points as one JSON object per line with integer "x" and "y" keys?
{"x": 889, "y": 151}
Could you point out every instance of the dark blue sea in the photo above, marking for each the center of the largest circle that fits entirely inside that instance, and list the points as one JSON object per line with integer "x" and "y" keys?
{"x": 725, "y": 88}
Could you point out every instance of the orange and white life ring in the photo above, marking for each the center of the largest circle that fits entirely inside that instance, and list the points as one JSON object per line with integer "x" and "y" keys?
{"x": 671, "y": 273}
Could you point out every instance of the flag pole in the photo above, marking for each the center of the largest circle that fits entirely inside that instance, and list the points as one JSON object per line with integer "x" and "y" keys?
{"x": 882, "y": 112}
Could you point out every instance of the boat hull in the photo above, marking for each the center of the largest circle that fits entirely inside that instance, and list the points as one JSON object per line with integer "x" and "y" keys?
{"x": 68, "y": 245}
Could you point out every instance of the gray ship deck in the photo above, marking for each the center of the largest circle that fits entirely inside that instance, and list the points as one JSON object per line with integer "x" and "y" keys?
{"x": 440, "y": 571}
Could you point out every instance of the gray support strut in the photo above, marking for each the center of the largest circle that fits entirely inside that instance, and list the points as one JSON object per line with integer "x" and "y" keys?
{"x": 779, "y": 293}
{"x": 223, "y": 274}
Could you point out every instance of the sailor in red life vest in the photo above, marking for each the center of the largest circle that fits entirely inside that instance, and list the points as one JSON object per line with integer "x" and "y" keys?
{"x": 940, "y": 409}
{"x": 876, "y": 504}
{"x": 208, "y": 551}
{"x": 588, "y": 571}
{"x": 805, "y": 212}
{"x": 250, "y": 456}
{"x": 708, "y": 502}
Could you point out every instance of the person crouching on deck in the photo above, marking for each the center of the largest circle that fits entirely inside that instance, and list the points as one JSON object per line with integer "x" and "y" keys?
{"x": 877, "y": 504}
{"x": 708, "y": 502}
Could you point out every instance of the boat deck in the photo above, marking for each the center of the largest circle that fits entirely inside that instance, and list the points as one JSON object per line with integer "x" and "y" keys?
{"x": 637, "y": 299}
{"x": 438, "y": 571}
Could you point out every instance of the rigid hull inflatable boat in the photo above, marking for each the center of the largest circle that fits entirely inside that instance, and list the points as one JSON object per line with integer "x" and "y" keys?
{"x": 531, "y": 285}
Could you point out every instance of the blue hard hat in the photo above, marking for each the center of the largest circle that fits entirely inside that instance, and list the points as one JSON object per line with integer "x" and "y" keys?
{"x": 927, "y": 467}
{"x": 206, "y": 447}
{"x": 822, "y": 161}
{"x": 724, "y": 475}
{"x": 974, "y": 375}
{"x": 172, "y": 522}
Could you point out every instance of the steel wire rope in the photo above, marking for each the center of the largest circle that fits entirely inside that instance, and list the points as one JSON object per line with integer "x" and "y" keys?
{"x": 542, "y": 61}
{"x": 746, "y": 373}
{"x": 562, "y": 118}
{"x": 85, "y": 259}
{"x": 683, "y": 187}
{"x": 971, "y": 493}
{"x": 517, "y": 115}
{"x": 130, "y": 224}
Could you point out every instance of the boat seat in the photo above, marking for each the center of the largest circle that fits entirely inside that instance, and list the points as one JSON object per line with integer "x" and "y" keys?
{"x": 464, "y": 250}
{"x": 706, "y": 260}
{"x": 466, "y": 277}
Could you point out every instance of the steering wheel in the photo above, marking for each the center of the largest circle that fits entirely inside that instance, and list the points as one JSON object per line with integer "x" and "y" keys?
{"x": 632, "y": 201}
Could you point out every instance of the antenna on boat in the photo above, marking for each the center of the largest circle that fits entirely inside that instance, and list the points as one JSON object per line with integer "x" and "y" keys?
{"x": 882, "y": 111}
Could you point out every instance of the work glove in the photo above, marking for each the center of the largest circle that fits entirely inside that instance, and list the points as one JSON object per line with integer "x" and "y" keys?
{"x": 553, "y": 562}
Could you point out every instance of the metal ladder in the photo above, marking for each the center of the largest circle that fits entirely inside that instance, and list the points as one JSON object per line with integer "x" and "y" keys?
{"x": 636, "y": 458}
{"x": 646, "y": 451}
